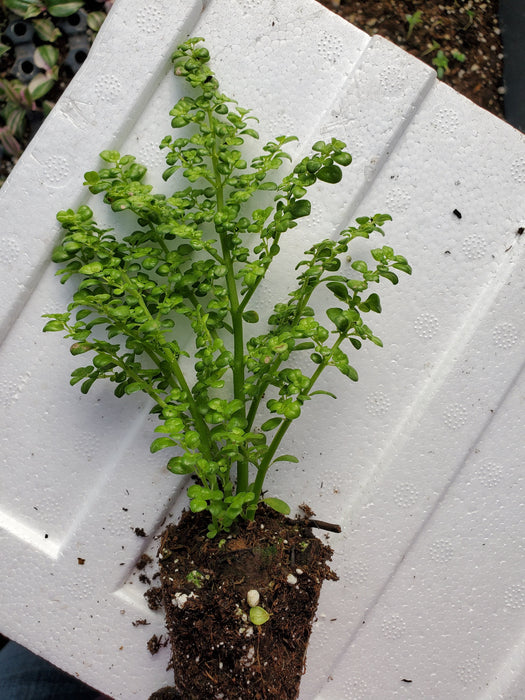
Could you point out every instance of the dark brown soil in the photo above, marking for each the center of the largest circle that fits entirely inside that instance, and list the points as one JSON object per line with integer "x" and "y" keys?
{"x": 469, "y": 27}
{"x": 217, "y": 651}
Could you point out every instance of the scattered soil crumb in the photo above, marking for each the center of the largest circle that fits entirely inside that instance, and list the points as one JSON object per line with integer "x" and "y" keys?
{"x": 154, "y": 598}
{"x": 138, "y": 623}
{"x": 306, "y": 510}
{"x": 144, "y": 560}
{"x": 156, "y": 643}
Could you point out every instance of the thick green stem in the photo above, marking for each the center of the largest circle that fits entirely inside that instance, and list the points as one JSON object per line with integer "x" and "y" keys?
{"x": 267, "y": 460}
{"x": 235, "y": 309}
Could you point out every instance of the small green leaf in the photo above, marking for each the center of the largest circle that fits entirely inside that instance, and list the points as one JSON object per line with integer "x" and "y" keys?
{"x": 46, "y": 56}
{"x": 322, "y": 391}
{"x": 338, "y": 289}
{"x": 161, "y": 443}
{"x": 133, "y": 387}
{"x": 258, "y": 615}
{"x": 330, "y": 173}
{"x": 24, "y": 8}
{"x": 86, "y": 386}
{"x": 300, "y": 208}
{"x": 277, "y": 504}
{"x": 95, "y": 20}
{"x": 40, "y": 85}
{"x": 46, "y": 29}
{"x": 177, "y": 466}
{"x": 91, "y": 177}
{"x": 250, "y": 316}
{"x": 63, "y": 8}
{"x": 374, "y": 303}
{"x": 342, "y": 158}
{"x": 103, "y": 361}
{"x": 271, "y": 424}
{"x": 92, "y": 268}
{"x": 286, "y": 458}
{"x": 52, "y": 326}
{"x": 80, "y": 348}
{"x": 197, "y": 505}
{"x": 110, "y": 156}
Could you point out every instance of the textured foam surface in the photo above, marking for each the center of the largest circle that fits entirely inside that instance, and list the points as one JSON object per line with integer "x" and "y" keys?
{"x": 421, "y": 461}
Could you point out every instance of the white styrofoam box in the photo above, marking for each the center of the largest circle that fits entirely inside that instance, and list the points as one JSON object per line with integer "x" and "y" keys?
{"x": 421, "y": 461}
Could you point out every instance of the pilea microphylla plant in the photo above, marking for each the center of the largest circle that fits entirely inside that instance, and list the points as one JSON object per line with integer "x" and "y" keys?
{"x": 201, "y": 254}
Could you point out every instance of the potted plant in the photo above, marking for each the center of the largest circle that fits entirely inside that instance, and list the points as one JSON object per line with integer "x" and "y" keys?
{"x": 240, "y": 579}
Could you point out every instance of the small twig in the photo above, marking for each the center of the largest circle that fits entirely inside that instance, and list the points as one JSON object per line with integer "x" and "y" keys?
{"x": 322, "y": 525}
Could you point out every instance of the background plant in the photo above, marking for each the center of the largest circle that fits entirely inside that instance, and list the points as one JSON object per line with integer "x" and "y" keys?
{"x": 413, "y": 21}
{"x": 197, "y": 258}
{"x": 23, "y": 105}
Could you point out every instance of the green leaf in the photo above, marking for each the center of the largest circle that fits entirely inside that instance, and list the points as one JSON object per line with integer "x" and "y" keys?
{"x": 197, "y": 505}
{"x": 80, "y": 348}
{"x": 403, "y": 266}
{"x": 9, "y": 142}
{"x": 307, "y": 345}
{"x": 286, "y": 458}
{"x": 46, "y": 29}
{"x": 86, "y": 386}
{"x": 348, "y": 371}
{"x": 15, "y": 122}
{"x": 63, "y": 8}
{"x": 46, "y": 56}
{"x": 277, "y": 504}
{"x": 92, "y": 268}
{"x": 24, "y": 8}
{"x": 342, "y": 158}
{"x": 177, "y": 466}
{"x": 91, "y": 177}
{"x": 40, "y": 85}
{"x": 133, "y": 387}
{"x": 301, "y": 207}
{"x": 319, "y": 146}
{"x": 103, "y": 361}
{"x": 258, "y": 615}
{"x": 250, "y": 316}
{"x": 110, "y": 156}
{"x": 338, "y": 319}
{"x": 95, "y": 20}
{"x": 374, "y": 303}
{"x": 271, "y": 424}
{"x": 339, "y": 290}
{"x": 52, "y": 326}
{"x": 322, "y": 391}
{"x": 161, "y": 443}
{"x": 387, "y": 274}
{"x": 330, "y": 173}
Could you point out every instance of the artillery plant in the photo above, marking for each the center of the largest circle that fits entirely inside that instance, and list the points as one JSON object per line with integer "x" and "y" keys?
{"x": 198, "y": 257}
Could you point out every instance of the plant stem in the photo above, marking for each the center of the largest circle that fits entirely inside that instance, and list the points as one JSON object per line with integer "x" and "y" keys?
{"x": 235, "y": 309}
{"x": 200, "y": 424}
{"x": 281, "y": 432}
